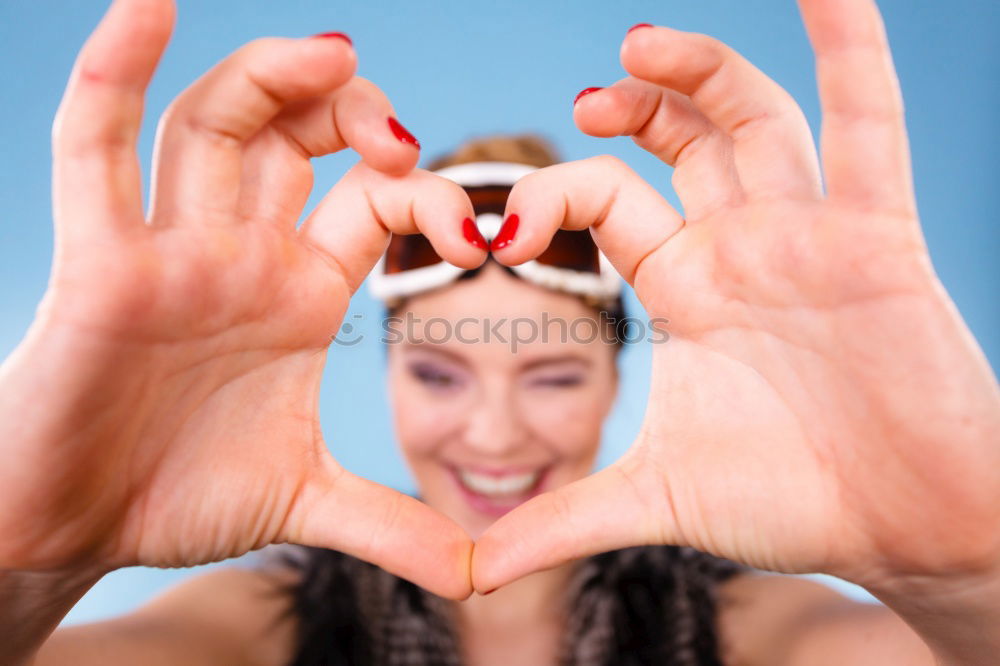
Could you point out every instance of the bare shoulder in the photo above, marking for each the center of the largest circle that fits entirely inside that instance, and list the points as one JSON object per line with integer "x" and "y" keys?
{"x": 775, "y": 620}
{"x": 241, "y": 610}
{"x": 230, "y": 615}
{"x": 757, "y": 612}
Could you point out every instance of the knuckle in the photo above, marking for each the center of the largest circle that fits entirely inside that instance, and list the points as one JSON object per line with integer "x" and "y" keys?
{"x": 178, "y": 118}
{"x": 710, "y": 43}
{"x": 365, "y": 87}
{"x": 449, "y": 189}
{"x": 285, "y": 68}
{"x": 255, "y": 61}
{"x": 71, "y": 140}
{"x": 609, "y": 163}
{"x": 170, "y": 114}
{"x": 531, "y": 179}
{"x": 258, "y": 49}
{"x": 685, "y": 146}
{"x": 562, "y": 510}
{"x": 387, "y": 523}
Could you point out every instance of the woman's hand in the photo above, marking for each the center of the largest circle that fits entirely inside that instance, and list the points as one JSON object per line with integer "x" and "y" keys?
{"x": 163, "y": 408}
{"x": 820, "y": 406}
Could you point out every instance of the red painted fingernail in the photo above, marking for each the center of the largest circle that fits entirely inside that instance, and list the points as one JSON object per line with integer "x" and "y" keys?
{"x": 585, "y": 91}
{"x": 471, "y": 233}
{"x": 639, "y": 25}
{"x": 402, "y": 133}
{"x": 506, "y": 234}
{"x": 336, "y": 35}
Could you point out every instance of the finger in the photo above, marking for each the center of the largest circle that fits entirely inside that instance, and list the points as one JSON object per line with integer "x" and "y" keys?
{"x": 199, "y": 142}
{"x": 668, "y": 125}
{"x": 773, "y": 146}
{"x": 628, "y": 218}
{"x": 97, "y": 181}
{"x": 277, "y": 175}
{"x": 341, "y": 511}
{"x": 618, "y": 507}
{"x": 351, "y": 225}
{"x": 866, "y": 155}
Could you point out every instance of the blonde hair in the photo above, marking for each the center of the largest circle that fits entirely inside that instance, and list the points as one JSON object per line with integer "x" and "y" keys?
{"x": 520, "y": 148}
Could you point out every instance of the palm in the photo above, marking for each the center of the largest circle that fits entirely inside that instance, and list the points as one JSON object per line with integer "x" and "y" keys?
{"x": 800, "y": 343}
{"x": 180, "y": 352}
{"x": 219, "y": 337}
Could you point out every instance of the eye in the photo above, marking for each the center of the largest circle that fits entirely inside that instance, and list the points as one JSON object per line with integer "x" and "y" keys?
{"x": 434, "y": 377}
{"x": 558, "y": 381}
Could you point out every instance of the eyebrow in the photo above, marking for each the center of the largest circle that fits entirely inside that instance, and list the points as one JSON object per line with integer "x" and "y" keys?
{"x": 529, "y": 365}
{"x": 557, "y": 360}
{"x": 436, "y": 349}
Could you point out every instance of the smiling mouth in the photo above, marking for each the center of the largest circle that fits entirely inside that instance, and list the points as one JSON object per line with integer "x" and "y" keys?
{"x": 499, "y": 486}
{"x": 496, "y": 494}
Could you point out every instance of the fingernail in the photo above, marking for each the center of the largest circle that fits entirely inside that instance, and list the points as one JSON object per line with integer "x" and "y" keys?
{"x": 402, "y": 133}
{"x": 506, "y": 234}
{"x": 639, "y": 25}
{"x": 337, "y": 35}
{"x": 585, "y": 91}
{"x": 471, "y": 232}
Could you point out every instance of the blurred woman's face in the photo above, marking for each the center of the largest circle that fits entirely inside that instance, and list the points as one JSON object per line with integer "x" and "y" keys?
{"x": 483, "y": 424}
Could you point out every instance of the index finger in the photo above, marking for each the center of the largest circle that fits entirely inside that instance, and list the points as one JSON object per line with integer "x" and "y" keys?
{"x": 627, "y": 216}
{"x": 200, "y": 142}
{"x": 352, "y": 225}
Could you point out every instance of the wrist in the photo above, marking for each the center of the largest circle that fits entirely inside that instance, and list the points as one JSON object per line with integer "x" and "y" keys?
{"x": 956, "y": 616}
{"x": 32, "y": 603}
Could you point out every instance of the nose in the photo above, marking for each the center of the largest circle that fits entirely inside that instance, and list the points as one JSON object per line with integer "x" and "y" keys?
{"x": 495, "y": 427}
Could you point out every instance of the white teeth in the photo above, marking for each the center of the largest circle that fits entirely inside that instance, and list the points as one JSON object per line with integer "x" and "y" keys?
{"x": 512, "y": 484}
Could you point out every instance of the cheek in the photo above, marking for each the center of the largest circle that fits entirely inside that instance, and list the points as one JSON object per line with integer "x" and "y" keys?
{"x": 569, "y": 421}
{"x": 423, "y": 423}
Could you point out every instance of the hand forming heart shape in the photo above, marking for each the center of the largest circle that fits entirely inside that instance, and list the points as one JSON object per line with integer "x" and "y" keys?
{"x": 180, "y": 352}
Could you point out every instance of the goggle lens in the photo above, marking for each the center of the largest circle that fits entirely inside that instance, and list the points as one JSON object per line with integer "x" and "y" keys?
{"x": 574, "y": 250}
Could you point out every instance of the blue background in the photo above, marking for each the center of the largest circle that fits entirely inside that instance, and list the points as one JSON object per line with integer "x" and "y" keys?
{"x": 460, "y": 69}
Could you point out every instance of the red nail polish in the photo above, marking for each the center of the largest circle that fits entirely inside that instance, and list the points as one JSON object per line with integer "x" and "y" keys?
{"x": 506, "y": 234}
{"x": 402, "y": 133}
{"x": 639, "y": 25}
{"x": 471, "y": 233}
{"x": 585, "y": 91}
{"x": 336, "y": 35}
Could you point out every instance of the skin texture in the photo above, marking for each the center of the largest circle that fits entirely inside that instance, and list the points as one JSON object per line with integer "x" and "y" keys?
{"x": 490, "y": 407}
{"x": 181, "y": 352}
{"x": 821, "y": 405}
{"x": 482, "y": 406}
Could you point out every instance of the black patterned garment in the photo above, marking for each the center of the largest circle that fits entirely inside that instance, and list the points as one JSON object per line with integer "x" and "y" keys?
{"x": 652, "y": 605}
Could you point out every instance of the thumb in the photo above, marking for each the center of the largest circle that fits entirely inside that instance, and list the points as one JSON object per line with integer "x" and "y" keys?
{"x": 622, "y": 505}
{"x": 342, "y": 511}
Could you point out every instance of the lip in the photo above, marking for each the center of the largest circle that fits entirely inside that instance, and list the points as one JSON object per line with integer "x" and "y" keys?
{"x": 491, "y": 506}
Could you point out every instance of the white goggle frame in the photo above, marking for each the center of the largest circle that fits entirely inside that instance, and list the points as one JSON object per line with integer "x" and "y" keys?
{"x": 601, "y": 287}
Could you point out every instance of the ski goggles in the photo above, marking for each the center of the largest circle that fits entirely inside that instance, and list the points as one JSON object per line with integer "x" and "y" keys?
{"x": 571, "y": 263}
